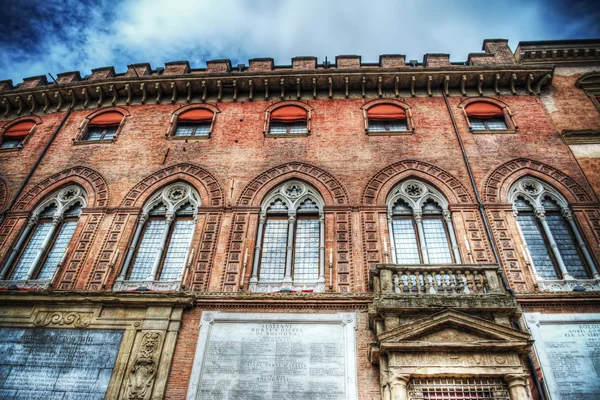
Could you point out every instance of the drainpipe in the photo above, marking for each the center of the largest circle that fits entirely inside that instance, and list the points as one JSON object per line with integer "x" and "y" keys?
{"x": 490, "y": 236}
{"x": 35, "y": 165}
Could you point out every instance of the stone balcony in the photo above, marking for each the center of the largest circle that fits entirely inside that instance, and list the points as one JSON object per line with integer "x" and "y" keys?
{"x": 410, "y": 289}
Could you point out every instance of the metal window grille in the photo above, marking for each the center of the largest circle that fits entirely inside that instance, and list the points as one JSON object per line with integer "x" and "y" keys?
{"x": 542, "y": 262}
{"x": 280, "y": 128}
{"x": 177, "y": 252}
{"x": 306, "y": 257}
{"x": 567, "y": 246}
{"x": 147, "y": 250}
{"x": 405, "y": 239}
{"x": 457, "y": 389}
{"x": 30, "y": 252}
{"x": 272, "y": 265}
{"x": 487, "y": 124}
{"x": 101, "y": 133}
{"x": 10, "y": 143}
{"x": 58, "y": 250}
{"x": 437, "y": 241}
{"x": 202, "y": 129}
{"x": 388, "y": 126}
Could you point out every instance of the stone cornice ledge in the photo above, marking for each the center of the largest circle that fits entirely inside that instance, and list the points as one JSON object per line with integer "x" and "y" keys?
{"x": 137, "y": 299}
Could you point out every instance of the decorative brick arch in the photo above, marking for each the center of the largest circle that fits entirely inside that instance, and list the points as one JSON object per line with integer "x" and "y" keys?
{"x": 208, "y": 187}
{"x": 93, "y": 183}
{"x": 3, "y": 193}
{"x": 482, "y": 99}
{"x": 329, "y": 187}
{"x": 103, "y": 110}
{"x": 498, "y": 183}
{"x": 379, "y": 186}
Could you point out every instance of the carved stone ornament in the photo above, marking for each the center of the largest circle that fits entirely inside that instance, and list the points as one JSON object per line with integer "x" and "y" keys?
{"x": 143, "y": 372}
{"x": 58, "y": 318}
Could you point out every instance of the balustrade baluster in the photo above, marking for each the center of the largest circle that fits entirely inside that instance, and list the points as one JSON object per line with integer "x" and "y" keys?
{"x": 461, "y": 281}
{"x": 443, "y": 281}
{"x": 469, "y": 277}
{"x": 401, "y": 282}
{"x": 396, "y": 289}
{"x": 486, "y": 287}
{"x": 452, "y": 278}
{"x": 410, "y": 283}
{"x": 435, "y": 278}
{"x": 427, "y": 283}
{"x": 478, "y": 283}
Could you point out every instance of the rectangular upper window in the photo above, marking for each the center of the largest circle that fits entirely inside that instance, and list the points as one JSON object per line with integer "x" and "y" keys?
{"x": 101, "y": 133}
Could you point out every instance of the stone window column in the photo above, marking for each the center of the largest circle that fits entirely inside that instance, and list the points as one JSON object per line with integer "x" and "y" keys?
{"x": 568, "y": 215}
{"x": 418, "y": 215}
{"x": 257, "y": 248}
{"x": 131, "y": 250}
{"x": 169, "y": 218}
{"x": 321, "y": 280}
{"x": 392, "y": 241}
{"x": 399, "y": 386}
{"x": 517, "y": 386}
{"x": 56, "y": 220}
{"x": 540, "y": 214}
{"x": 290, "y": 248}
{"x": 31, "y": 223}
{"x": 448, "y": 219}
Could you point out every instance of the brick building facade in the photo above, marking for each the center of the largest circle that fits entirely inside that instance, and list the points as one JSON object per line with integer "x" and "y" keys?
{"x": 446, "y": 211}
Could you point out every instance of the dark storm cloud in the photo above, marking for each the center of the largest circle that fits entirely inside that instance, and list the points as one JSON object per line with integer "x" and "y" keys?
{"x": 56, "y": 36}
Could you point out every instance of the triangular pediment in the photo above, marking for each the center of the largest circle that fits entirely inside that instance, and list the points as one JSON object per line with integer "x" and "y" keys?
{"x": 453, "y": 329}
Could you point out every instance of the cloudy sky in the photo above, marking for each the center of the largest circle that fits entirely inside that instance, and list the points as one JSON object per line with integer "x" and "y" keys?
{"x": 65, "y": 35}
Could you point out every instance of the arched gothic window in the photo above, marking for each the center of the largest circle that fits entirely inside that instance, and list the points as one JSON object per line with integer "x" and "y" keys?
{"x": 290, "y": 247}
{"x": 159, "y": 251}
{"x": 420, "y": 225}
{"x": 43, "y": 244}
{"x": 556, "y": 247}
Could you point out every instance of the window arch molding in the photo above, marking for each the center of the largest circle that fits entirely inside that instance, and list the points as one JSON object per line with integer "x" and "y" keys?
{"x": 278, "y": 105}
{"x": 83, "y": 130}
{"x": 410, "y": 126}
{"x": 6, "y": 128}
{"x": 173, "y": 123}
{"x": 550, "y": 233}
{"x": 291, "y": 213}
{"x": 161, "y": 242}
{"x": 589, "y": 83}
{"x": 433, "y": 240}
{"x": 511, "y": 125}
{"x": 42, "y": 245}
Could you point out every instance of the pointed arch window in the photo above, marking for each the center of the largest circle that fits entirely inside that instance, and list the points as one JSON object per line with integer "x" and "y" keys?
{"x": 41, "y": 247}
{"x": 420, "y": 226}
{"x": 160, "y": 248}
{"x": 290, "y": 252}
{"x": 555, "y": 245}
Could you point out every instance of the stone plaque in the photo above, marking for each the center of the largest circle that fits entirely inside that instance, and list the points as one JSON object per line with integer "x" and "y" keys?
{"x": 275, "y": 356}
{"x": 56, "y": 363}
{"x": 568, "y": 347}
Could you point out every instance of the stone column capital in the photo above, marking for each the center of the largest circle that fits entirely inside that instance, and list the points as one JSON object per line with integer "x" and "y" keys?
{"x": 515, "y": 379}
{"x": 540, "y": 213}
{"x": 33, "y": 220}
{"x": 447, "y": 216}
{"x": 418, "y": 215}
{"x": 567, "y": 213}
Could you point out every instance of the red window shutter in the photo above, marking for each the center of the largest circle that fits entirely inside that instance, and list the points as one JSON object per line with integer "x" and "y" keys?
{"x": 386, "y": 112}
{"x": 289, "y": 114}
{"x": 198, "y": 115}
{"x": 111, "y": 118}
{"x": 19, "y": 130}
{"x": 484, "y": 110}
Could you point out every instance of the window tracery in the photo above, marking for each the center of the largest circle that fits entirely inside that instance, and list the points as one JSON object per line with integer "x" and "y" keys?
{"x": 420, "y": 225}
{"x": 290, "y": 252}
{"x": 161, "y": 243}
{"x": 552, "y": 239}
{"x": 42, "y": 246}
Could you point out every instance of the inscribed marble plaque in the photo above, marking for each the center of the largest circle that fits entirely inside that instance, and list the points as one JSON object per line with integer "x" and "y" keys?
{"x": 56, "y": 363}
{"x": 568, "y": 347}
{"x": 275, "y": 356}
